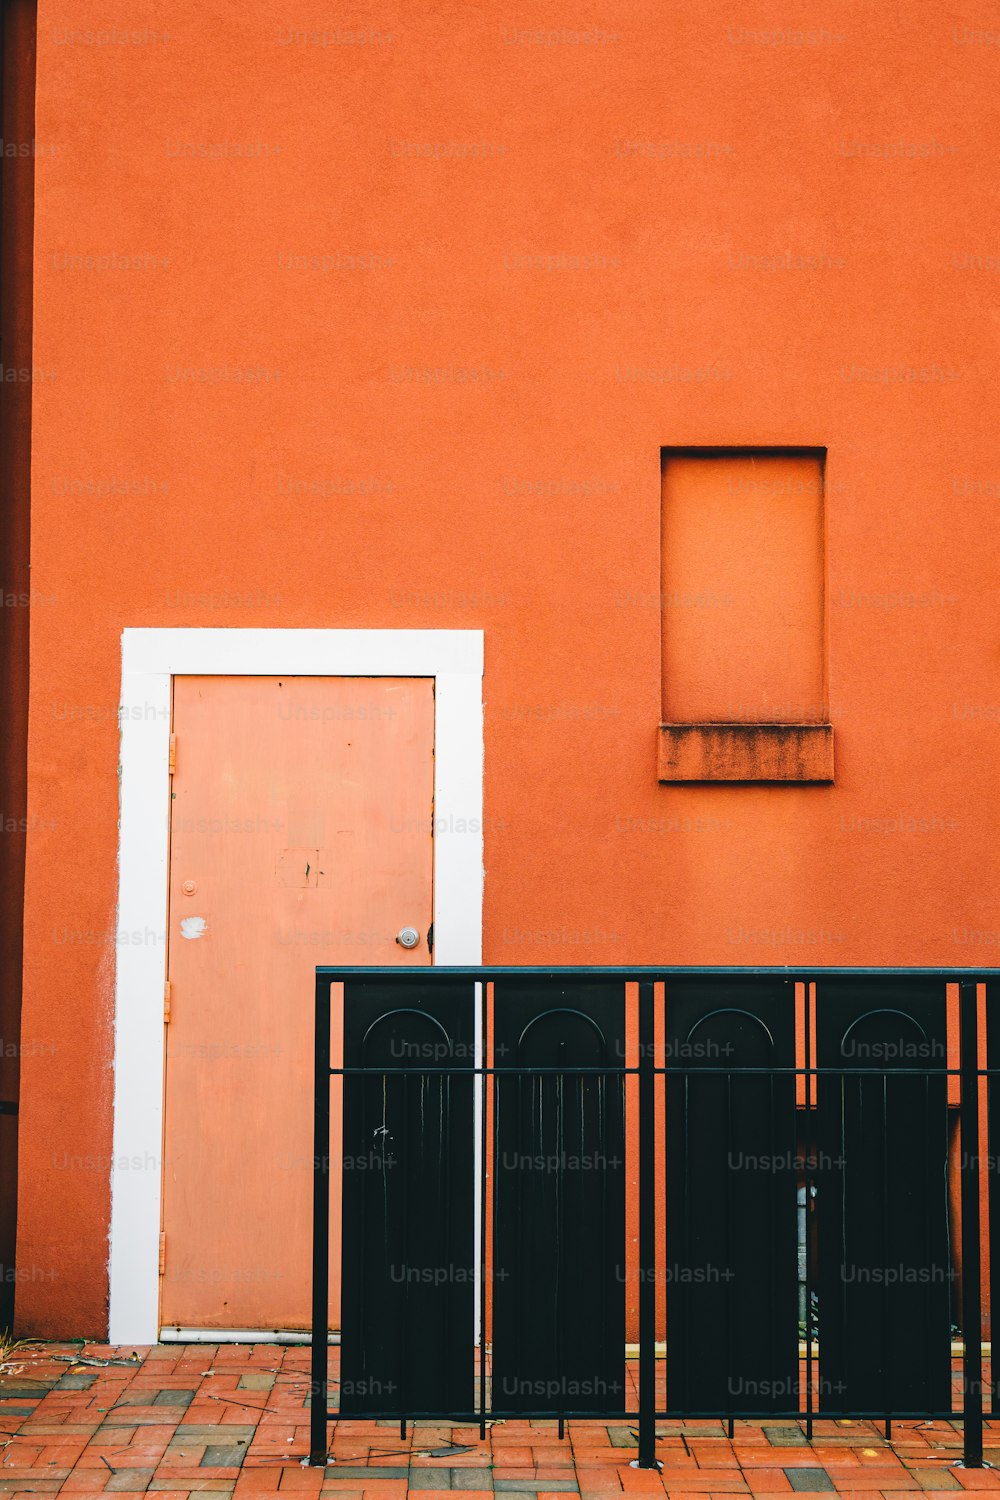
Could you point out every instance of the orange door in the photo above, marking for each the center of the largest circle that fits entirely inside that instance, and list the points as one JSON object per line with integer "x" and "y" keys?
{"x": 301, "y": 826}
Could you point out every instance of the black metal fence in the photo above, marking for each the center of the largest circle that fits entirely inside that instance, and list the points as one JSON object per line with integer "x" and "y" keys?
{"x": 774, "y": 1173}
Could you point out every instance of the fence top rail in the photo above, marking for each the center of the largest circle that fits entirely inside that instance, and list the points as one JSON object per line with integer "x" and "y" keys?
{"x": 801, "y": 972}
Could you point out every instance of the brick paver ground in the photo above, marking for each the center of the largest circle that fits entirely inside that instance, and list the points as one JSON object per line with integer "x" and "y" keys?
{"x": 176, "y": 1419}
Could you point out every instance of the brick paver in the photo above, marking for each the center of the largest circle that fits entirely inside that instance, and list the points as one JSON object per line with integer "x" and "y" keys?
{"x": 175, "y": 1421}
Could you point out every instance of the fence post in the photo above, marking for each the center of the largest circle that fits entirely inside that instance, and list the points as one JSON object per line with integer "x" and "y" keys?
{"x": 972, "y": 1323}
{"x": 647, "y": 1229}
{"x": 319, "y": 1398}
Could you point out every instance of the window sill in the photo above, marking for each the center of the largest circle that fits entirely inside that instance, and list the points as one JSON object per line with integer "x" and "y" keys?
{"x": 745, "y": 752}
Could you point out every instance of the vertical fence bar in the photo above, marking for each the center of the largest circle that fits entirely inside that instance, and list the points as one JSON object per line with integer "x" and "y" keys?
{"x": 647, "y": 1229}
{"x": 487, "y": 1182}
{"x": 809, "y": 1131}
{"x": 972, "y": 1373}
{"x": 321, "y": 1229}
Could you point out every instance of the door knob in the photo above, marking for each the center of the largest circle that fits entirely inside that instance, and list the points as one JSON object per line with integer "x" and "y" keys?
{"x": 408, "y": 937}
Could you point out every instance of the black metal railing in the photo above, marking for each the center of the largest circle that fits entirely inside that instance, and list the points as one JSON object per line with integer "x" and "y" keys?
{"x": 505, "y": 1130}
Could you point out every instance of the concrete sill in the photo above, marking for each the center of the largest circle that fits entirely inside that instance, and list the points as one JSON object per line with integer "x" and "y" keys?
{"x": 745, "y": 752}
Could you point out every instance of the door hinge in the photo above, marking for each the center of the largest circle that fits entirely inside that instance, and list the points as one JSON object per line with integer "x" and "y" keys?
{"x": 163, "y": 1251}
{"x": 167, "y": 996}
{"x": 430, "y": 938}
{"x": 172, "y": 763}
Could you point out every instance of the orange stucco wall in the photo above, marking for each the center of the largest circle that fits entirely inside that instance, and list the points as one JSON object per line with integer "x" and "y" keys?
{"x": 390, "y": 332}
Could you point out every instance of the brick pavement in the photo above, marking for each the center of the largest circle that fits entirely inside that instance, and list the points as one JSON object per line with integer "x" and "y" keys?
{"x": 176, "y": 1419}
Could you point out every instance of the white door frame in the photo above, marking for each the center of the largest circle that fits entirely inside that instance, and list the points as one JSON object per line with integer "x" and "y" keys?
{"x": 150, "y": 659}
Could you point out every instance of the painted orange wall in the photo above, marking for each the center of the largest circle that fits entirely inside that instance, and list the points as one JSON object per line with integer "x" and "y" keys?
{"x": 405, "y": 352}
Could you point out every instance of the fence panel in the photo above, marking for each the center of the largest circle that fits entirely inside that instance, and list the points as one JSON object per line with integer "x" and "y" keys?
{"x": 885, "y": 1273}
{"x": 409, "y": 1269}
{"x": 559, "y": 1198}
{"x": 731, "y": 1213}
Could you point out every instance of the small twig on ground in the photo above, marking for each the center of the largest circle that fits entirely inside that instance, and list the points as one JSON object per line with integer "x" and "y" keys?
{"x": 86, "y": 1359}
{"x": 231, "y": 1401}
